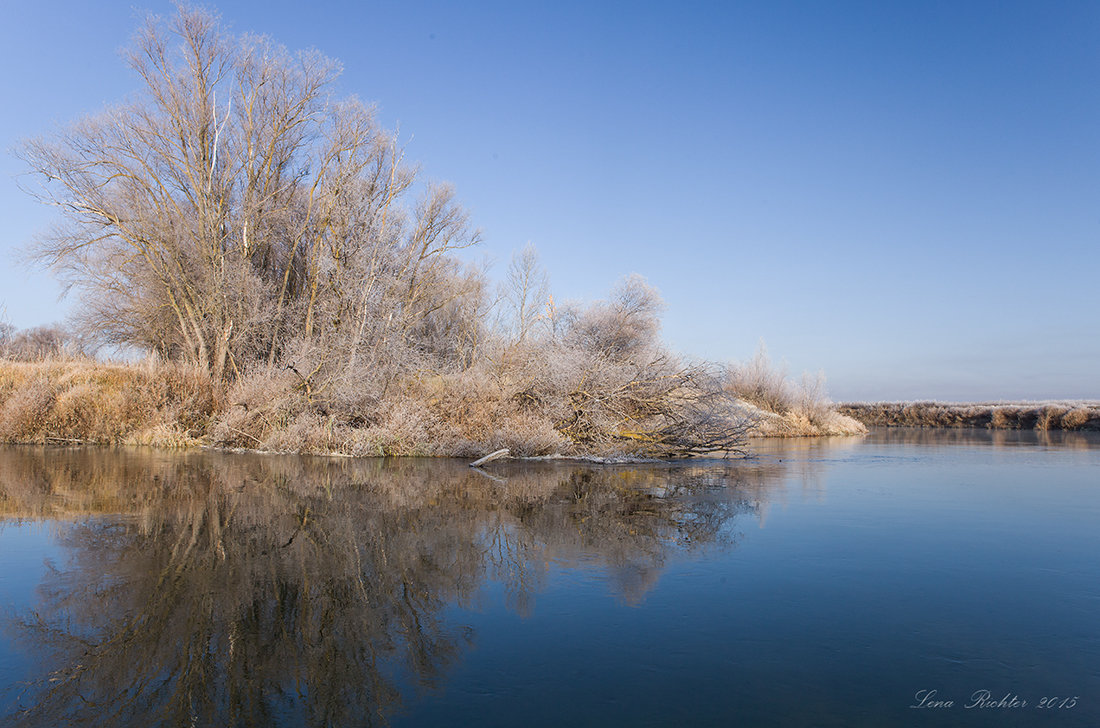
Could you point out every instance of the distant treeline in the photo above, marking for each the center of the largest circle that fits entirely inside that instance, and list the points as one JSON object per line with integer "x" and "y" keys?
{"x": 38, "y": 343}
{"x": 999, "y": 416}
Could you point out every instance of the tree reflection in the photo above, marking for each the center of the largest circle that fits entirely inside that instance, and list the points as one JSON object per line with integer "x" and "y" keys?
{"x": 209, "y": 589}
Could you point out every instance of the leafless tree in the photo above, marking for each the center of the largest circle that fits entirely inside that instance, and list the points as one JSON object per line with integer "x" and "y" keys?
{"x": 7, "y": 333}
{"x": 234, "y": 210}
{"x": 626, "y": 326}
{"x": 525, "y": 293}
{"x": 35, "y": 344}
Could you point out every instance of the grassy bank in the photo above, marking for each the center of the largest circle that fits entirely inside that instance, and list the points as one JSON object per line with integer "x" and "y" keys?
{"x": 461, "y": 414}
{"x": 76, "y": 400}
{"x": 782, "y": 407}
{"x": 1061, "y": 415}
{"x": 824, "y": 421}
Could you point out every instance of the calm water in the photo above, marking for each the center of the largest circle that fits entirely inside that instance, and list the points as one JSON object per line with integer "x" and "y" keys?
{"x": 820, "y": 583}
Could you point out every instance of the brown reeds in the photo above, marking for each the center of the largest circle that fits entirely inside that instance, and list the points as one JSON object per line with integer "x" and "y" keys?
{"x": 80, "y": 400}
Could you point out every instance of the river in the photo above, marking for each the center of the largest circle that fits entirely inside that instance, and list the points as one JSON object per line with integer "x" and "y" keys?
{"x": 905, "y": 578}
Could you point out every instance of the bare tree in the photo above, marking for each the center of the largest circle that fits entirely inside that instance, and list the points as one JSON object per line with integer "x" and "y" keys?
{"x": 625, "y": 326}
{"x": 7, "y": 333}
{"x": 38, "y": 343}
{"x": 525, "y": 293}
{"x": 235, "y": 207}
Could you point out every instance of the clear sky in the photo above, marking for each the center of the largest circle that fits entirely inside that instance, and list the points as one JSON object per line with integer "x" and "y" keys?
{"x": 906, "y": 196}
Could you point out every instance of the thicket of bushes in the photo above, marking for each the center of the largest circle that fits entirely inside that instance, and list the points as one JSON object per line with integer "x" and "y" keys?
{"x": 596, "y": 382}
{"x": 549, "y": 394}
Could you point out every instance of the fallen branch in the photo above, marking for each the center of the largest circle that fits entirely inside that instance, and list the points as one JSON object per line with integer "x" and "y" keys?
{"x": 490, "y": 457}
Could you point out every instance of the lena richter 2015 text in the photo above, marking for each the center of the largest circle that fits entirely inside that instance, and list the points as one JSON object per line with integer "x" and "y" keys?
{"x": 985, "y": 699}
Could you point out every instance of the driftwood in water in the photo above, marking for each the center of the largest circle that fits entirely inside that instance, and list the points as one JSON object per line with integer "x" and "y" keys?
{"x": 490, "y": 457}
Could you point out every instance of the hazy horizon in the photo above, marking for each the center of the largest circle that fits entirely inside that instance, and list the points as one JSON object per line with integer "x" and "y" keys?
{"x": 904, "y": 197}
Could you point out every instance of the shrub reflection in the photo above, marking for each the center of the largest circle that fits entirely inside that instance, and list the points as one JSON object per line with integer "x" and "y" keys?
{"x": 248, "y": 590}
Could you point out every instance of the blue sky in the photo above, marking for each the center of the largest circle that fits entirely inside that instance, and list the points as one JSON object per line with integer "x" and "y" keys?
{"x": 906, "y": 196}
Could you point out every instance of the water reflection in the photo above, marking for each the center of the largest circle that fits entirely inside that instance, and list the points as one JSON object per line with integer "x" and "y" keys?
{"x": 209, "y": 589}
{"x": 939, "y": 437}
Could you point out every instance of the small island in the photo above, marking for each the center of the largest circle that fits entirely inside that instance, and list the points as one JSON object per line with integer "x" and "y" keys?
{"x": 279, "y": 277}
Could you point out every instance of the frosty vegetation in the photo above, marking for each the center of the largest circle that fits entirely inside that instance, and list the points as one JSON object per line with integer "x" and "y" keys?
{"x": 1056, "y": 415}
{"x": 246, "y": 227}
{"x": 781, "y": 407}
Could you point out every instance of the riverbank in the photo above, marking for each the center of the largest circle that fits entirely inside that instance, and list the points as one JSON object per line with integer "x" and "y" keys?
{"x": 1058, "y": 415}
{"x": 823, "y": 420}
{"x": 170, "y": 405}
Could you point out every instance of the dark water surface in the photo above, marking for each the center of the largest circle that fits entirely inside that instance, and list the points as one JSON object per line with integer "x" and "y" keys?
{"x": 827, "y": 582}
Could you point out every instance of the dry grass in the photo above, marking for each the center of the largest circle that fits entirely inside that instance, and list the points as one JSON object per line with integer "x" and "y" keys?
{"x": 783, "y": 408}
{"x": 86, "y": 401}
{"x": 534, "y": 402}
{"x": 1073, "y": 415}
{"x": 798, "y": 423}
